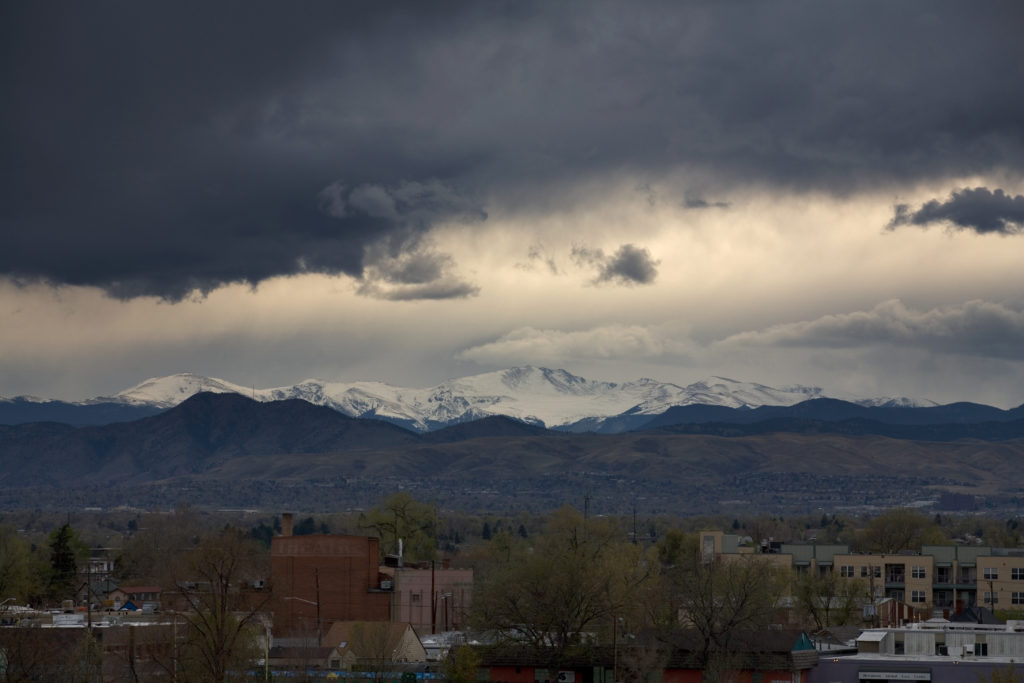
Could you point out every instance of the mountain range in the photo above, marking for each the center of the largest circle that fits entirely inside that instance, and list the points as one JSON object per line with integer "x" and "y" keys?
{"x": 227, "y": 450}
{"x": 523, "y": 438}
{"x": 555, "y": 399}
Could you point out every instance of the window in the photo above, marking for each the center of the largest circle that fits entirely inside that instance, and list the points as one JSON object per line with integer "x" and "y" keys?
{"x": 991, "y": 598}
{"x": 991, "y": 573}
{"x": 1017, "y": 573}
{"x": 846, "y": 570}
{"x": 867, "y": 571}
{"x": 415, "y": 597}
{"x": 917, "y": 572}
{"x": 1017, "y": 598}
{"x": 917, "y": 596}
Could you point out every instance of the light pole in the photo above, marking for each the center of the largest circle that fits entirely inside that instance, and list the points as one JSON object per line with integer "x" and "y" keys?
{"x": 315, "y": 603}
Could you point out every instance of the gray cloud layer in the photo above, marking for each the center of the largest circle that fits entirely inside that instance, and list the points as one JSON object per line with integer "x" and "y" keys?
{"x": 163, "y": 148}
{"x": 980, "y": 210}
{"x": 975, "y": 328}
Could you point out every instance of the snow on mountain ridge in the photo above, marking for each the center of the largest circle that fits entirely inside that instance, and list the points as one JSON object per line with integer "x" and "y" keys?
{"x": 166, "y": 392}
{"x": 536, "y": 395}
{"x": 895, "y": 402}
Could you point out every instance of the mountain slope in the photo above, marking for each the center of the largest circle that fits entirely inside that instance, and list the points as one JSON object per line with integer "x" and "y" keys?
{"x": 834, "y": 410}
{"x": 188, "y": 439}
{"x": 227, "y": 450}
{"x": 21, "y": 410}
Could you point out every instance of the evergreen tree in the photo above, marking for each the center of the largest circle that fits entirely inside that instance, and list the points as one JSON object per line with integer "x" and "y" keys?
{"x": 64, "y": 548}
{"x": 305, "y": 527}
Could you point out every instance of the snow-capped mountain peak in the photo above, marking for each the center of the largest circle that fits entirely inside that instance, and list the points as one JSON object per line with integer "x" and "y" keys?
{"x": 723, "y": 391}
{"x": 166, "y": 392}
{"x": 554, "y": 398}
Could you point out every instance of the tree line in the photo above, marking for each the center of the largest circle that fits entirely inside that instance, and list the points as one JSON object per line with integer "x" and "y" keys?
{"x": 553, "y": 585}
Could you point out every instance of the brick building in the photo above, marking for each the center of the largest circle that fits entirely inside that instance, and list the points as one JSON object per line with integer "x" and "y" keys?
{"x": 325, "y": 578}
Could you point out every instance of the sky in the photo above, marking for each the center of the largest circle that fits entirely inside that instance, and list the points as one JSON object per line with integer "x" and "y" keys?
{"x": 819, "y": 193}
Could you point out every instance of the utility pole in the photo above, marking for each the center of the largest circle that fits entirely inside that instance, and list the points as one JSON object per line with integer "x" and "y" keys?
{"x": 634, "y": 521}
{"x": 88, "y": 591}
{"x": 615, "y": 649}
{"x": 319, "y": 623}
{"x": 874, "y": 605}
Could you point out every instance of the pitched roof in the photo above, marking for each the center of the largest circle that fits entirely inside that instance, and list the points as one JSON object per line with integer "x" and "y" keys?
{"x": 367, "y": 639}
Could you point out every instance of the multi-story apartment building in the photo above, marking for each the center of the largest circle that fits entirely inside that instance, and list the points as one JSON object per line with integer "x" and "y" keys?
{"x": 905, "y": 577}
{"x": 938, "y": 578}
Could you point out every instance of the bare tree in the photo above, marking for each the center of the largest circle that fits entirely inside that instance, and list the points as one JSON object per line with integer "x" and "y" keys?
{"x": 828, "y": 599}
{"x": 44, "y": 654}
{"x": 371, "y": 642}
{"x": 899, "y": 529}
{"x": 563, "y": 594}
{"x": 222, "y": 611}
{"x": 400, "y": 517}
{"x": 723, "y": 601}
{"x": 146, "y": 553}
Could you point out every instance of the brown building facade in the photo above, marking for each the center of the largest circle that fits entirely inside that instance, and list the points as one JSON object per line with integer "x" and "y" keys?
{"x": 325, "y": 578}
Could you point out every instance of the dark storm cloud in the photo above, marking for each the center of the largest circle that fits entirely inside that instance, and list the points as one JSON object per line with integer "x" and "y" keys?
{"x": 629, "y": 265}
{"x": 405, "y": 268}
{"x": 160, "y": 148}
{"x": 403, "y": 257}
{"x": 981, "y": 210}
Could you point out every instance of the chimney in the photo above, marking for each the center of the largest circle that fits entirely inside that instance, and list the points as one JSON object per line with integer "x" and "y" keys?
{"x": 286, "y": 524}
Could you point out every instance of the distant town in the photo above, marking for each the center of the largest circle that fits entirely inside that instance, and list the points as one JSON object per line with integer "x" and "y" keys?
{"x": 408, "y": 590}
